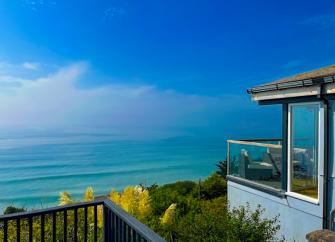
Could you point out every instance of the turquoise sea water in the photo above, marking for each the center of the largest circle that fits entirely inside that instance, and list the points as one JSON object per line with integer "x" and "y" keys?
{"x": 34, "y": 169}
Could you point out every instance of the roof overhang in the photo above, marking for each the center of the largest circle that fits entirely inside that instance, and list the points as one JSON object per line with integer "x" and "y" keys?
{"x": 288, "y": 93}
{"x": 299, "y": 88}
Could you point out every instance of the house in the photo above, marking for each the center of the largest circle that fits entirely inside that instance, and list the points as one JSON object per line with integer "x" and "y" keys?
{"x": 291, "y": 176}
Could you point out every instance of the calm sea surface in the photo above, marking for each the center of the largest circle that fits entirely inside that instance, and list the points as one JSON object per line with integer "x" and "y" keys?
{"x": 34, "y": 169}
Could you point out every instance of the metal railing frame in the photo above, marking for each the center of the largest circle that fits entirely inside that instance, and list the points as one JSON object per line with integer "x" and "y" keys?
{"x": 118, "y": 225}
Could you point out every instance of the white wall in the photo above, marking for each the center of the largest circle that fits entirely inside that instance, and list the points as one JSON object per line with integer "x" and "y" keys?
{"x": 297, "y": 217}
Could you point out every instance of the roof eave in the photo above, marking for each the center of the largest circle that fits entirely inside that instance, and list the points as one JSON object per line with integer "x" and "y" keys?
{"x": 292, "y": 84}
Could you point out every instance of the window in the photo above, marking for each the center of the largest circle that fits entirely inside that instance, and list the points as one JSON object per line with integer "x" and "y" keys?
{"x": 303, "y": 154}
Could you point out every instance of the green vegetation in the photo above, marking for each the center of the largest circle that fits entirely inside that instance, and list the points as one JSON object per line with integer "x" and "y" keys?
{"x": 181, "y": 211}
{"x": 222, "y": 168}
{"x": 12, "y": 209}
{"x": 201, "y": 213}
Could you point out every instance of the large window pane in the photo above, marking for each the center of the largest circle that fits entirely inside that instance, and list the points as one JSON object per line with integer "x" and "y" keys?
{"x": 304, "y": 149}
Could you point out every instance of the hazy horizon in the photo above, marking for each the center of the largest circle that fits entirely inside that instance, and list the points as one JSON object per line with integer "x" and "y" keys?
{"x": 154, "y": 69}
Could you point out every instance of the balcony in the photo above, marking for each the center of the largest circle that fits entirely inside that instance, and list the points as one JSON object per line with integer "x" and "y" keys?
{"x": 258, "y": 161}
{"x": 90, "y": 221}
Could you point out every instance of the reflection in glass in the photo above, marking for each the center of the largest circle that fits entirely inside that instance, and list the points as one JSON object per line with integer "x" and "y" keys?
{"x": 257, "y": 161}
{"x": 304, "y": 149}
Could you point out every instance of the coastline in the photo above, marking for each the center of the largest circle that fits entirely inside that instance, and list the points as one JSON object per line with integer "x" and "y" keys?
{"x": 35, "y": 175}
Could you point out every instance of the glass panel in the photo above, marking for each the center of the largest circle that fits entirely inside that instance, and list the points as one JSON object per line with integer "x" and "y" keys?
{"x": 304, "y": 149}
{"x": 258, "y": 161}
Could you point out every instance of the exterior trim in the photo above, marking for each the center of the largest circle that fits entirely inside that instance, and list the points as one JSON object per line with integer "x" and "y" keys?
{"x": 290, "y": 100}
{"x": 313, "y": 98}
{"x": 284, "y": 146}
{"x": 326, "y": 141}
{"x": 288, "y": 93}
{"x": 257, "y": 186}
{"x": 320, "y": 151}
{"x": 303, "y": 198}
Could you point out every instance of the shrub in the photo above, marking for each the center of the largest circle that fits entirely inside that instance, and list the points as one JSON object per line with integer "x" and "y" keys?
{"x": 12, "y": 209}
{"x": 134, "y": 200}
{"x": 162, "y": 197}
{"x": 208, "y": 223}
{"x": 222, "y": 168}
{"x": 215, "y": 222}
{"x": 248, "y": 226}
{"x": 65, "y": 199}
{"x": 89, "y": 194}
{"x": 214, "y": 186}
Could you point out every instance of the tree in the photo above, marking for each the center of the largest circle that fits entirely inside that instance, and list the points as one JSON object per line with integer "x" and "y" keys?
{"x": 214, "y": 186}
{"x": 222, "y": 168}
{"x": 12, "y": 209}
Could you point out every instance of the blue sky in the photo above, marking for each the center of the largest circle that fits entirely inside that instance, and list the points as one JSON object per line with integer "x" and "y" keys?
{"x": 176, "y": 67}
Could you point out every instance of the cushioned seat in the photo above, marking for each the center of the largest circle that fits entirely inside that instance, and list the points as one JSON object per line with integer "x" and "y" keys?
{"x": 259, "y": 165}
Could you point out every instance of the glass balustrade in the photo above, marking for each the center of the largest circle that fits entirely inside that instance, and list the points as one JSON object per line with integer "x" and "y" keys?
{"x": 259, "y": 161}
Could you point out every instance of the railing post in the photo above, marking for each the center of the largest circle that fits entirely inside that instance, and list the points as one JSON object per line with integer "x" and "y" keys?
{"x": 95, "y": 223}
{"x": 228, "y": 157}
{"x": 113, "y": 231}
{"x": 75, "y": 231}
{"x": 85, "y": 224}
{"x": 107, "y": 228}
{"x": 117, "y": 228}
{"x": 30, "y": 221}
{"x": 42, "y": 228}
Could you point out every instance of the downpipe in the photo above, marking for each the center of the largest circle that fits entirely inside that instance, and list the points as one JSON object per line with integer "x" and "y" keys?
{"x": 325, "y": 223}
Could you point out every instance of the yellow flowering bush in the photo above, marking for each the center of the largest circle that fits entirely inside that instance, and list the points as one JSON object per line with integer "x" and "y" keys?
{"x": 89, "y": 194}
{"x": 169, "y": 215}
{"x": 133, "y": 199}
{"x": 65, "y": 199}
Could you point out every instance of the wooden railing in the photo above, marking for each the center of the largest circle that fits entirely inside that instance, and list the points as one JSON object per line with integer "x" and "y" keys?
{"x": 257, "y": 143}
{"x": 88, "y": 221}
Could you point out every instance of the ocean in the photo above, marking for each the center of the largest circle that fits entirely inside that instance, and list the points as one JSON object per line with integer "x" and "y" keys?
{"x": 34, "y": 169}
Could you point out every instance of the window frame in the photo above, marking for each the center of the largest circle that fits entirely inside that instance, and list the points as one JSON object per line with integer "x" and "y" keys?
{"x": 320, "y": 155}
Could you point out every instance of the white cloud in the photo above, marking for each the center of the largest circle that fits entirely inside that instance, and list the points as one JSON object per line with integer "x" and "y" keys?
{"x": 115, "y": 11}
{"x": 35, "y": 5}
{"x": 55, "y": 101}
{"x": 31, "y": 65}
{"x": 112, "y": 12}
